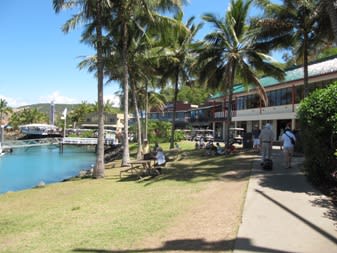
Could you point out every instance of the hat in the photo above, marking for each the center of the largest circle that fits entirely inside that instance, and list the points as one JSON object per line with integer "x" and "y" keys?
{"x": 268, "y": 126}
{"x": 145, "y": 140}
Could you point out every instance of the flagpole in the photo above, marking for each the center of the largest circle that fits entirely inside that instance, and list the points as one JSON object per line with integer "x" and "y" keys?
{"x": 64, "y": 128}
{"x": 65, "y": 122}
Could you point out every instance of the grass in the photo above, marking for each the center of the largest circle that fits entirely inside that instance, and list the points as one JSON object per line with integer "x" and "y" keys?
{"x": 106, "y": 213}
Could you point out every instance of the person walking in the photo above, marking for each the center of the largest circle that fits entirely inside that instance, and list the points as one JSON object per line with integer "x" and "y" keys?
{"x": 288, "y": 140}
{"x": 256, "y": 141}
{"x": 266, "y": 140}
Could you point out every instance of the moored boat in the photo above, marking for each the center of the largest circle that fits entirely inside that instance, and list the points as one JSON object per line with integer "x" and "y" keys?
{"x": 39, "y": 129}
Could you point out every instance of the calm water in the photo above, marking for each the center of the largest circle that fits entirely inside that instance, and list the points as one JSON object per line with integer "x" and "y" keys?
{"x": 27, "y": 167}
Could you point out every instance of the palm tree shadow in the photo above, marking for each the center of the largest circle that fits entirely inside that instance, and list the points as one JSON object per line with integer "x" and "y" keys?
{"x": 206, "y": 169}
{"x": 185, "y": 245}
{"x": 295, "y": 181}
{"x": 328, "y": 205}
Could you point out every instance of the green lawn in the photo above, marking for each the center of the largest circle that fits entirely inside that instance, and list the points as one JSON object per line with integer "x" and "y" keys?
{"x": 105, "y": 213}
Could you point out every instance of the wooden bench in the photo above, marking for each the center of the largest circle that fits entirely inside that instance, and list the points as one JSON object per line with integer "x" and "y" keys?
{"x": 137, "y": 167}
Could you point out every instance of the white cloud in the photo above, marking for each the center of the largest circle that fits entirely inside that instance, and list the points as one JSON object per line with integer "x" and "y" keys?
{"x": 13, "y": 102}
{"x": 114, "y": 100}
{"x": 57, "y": 98}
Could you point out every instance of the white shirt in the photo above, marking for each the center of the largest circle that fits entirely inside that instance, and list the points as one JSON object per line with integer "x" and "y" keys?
{"x": 286, "y": 139}
{"x": 160, "y": 158}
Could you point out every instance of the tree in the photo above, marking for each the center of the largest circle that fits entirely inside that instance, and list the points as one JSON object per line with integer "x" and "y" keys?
{"x": 320, "y": 139}
{"x": 91, "y": 12}
{"x": 233, "y": 50}
{"x": 300, "y": 26}
{"x": 195, "y": 94}
{"x": 28, "y": 116}
{"x": 4, "y": 109}
{"x": 178, "y": 58}
{"x": 330, "y": 7}
{"x": 79, "y": 112}
{"x": 127, "y": 15}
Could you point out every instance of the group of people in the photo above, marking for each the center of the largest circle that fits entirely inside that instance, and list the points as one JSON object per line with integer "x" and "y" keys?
{"x": 200, "y": 144}
{"x": 216, "y": 149}
{"x": 156, "y": 154}
{"x": 263, "y": 142}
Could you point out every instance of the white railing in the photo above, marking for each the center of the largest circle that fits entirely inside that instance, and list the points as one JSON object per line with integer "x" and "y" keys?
{"x": 81, "y": 141}
{"x": 259, "y": 111}
{"x": 7, "y": 144}
{"x": 84, "y": 141}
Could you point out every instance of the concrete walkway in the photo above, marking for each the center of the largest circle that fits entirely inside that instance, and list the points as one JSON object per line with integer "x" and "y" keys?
{"x": 284, "y": 213}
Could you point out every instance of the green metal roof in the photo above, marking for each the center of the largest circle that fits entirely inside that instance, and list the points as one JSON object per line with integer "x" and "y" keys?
{"x": 314, "y": 69}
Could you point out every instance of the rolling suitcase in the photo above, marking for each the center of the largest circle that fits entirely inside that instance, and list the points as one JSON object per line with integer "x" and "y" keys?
{"x": 267, "y": 164}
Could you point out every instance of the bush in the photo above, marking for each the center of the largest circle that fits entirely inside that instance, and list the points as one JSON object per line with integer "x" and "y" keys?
{"x": 160, "y": 131}
{"x": 318, "y": 118}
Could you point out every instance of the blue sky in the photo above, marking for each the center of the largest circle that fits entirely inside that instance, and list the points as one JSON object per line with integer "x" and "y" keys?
{"x": 39, "y": 62}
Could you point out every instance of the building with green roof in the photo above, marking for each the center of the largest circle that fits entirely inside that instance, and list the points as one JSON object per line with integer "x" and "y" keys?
{"x": 283, "y": 96}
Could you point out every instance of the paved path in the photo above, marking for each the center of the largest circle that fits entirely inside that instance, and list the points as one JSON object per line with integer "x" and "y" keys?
{"x": 284, "y": 213}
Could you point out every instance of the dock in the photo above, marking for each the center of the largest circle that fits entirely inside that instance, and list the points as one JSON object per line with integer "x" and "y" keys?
{"x": 10, "y": 144}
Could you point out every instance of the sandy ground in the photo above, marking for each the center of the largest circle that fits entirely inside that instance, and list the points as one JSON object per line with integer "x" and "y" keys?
{"x": 211, "y": 224}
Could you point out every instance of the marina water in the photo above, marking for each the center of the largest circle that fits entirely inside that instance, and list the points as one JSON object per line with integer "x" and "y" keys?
{"x": 26, "y": 168}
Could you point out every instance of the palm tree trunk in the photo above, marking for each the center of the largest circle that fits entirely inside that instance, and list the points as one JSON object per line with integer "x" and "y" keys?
{"x": 305, "y": 63}
{"x": 126, "y": 152}
{"x": 332, "y": 12}
{"x": 139, "y": 125}
{"x": 99, "y": 169}
{"x": 176, "y": 90}
{"x": 146, "y": 110}
{"x": 230, "y": 97}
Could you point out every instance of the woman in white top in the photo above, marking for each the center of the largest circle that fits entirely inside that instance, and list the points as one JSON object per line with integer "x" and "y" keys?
{"x": 160, "y": 156}
{"x": 288, "y": 142}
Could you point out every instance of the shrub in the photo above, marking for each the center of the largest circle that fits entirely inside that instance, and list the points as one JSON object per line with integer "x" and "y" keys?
{"x": 318, "y": 118}
{"x": 160, "y": 131}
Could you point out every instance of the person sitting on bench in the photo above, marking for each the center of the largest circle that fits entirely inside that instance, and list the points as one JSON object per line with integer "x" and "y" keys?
{"x": 160, "y": 159}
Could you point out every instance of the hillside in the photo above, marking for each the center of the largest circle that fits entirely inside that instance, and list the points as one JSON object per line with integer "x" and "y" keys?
{"x": 59, "y": 108}
{"x": 45, "y": 107}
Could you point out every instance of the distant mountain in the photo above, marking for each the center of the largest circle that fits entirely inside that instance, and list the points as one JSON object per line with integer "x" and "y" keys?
{"x": 45, "y": 107}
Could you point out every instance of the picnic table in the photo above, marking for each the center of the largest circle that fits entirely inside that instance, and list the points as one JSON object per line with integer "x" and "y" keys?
{"x": 140, "y": 167}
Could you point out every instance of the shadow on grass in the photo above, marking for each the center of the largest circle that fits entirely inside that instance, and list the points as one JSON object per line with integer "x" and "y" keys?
{"x": 195, "y": 166}
{"x": 194, "y": 245}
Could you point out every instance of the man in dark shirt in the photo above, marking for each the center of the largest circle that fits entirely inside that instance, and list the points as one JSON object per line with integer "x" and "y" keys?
{"x": 256, "y": 141}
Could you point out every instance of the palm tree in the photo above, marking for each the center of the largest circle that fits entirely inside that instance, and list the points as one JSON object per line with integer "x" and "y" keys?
{"x": 4, "y": 109}
{"x": 299, "y": 25}
{"x": 178, "y": 58}
{"x": 91, "y": 12}
{"x": 330, "y": 6}
{"x": 127, "y": 15}
{"x": 232, "y": 50}
{"x": 79, "y": 112}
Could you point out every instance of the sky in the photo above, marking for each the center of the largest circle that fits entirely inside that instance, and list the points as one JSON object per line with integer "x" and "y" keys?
{"x": 39, "y": 63}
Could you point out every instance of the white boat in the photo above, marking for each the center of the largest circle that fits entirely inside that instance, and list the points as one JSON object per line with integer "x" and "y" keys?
{"x": 1, "y": 153}
{"x": 39, "y": 129}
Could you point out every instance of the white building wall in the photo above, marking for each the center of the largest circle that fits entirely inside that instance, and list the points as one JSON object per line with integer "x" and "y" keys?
{"x": 267, "y": 113}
